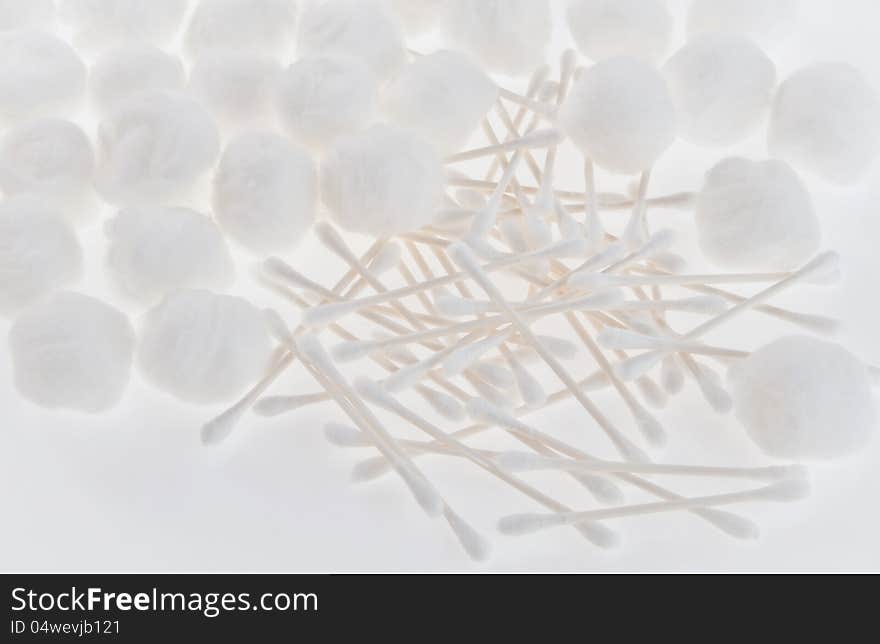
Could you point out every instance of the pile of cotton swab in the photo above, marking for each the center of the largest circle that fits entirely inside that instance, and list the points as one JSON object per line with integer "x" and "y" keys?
{"x": 491, "y": 289}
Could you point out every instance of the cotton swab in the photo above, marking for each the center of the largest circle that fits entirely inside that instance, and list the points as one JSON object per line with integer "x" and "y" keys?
{"x": 310, "y": 352}
{"x": 334, "y": 242}
{"x": 346, "y": 436}
{"x": 462, "y": 256}
{"x": 219, "y": 428}
{"x": 612, "y": 338}
{"x": 409, "y": 375}
{"x": 671, "y": 375}
{"x": 443, "y": 404}
{"x": 637, "y": 365}
{"x": 529, "y": 462}
{"x": 353, "y": 350}
{"x": 276, "y": 405}
{"x": 223, "y": 424}
{"x": 596, "y": 533}
{"x": 780, "y": 492}
{"x": 474, "y": 544}
{"x": 536, "y": 139}
{"x": 535, "y": 83}
{"x": 731, "y": 524}
{"x": 326, "y": 313}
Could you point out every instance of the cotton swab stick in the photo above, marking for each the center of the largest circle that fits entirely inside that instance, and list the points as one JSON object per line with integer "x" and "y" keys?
{"x": 731, "y": 524}
{"x": 612, "y": 338}
{"x": 405, "y": 357}
{"x": 596, "y": 533}
{"x": 548, "y": 111}
{"x": 221, "y": 426}
{"x": 464, "y": 258}
{"x": 528, "y": 462}
{"x": 536, "y": 139}
{"x": 634, "y": 234}
{"x": 535, "y": 83}
{"x": 530, "y": 390}
{"x": 334, "y": 242}
{"x": 595, "y": 229}
{"x": 409, "y": 375}
{"x": 484, "y": 218}
{"x": 357, "y": 349}
{"x": 815, "y": 323}
{"x": 605, "y": 280}
{"x": 494, "y": 375}
{"x": 654, "y": 395}
{"x": 601, "y": 488}
{"x": 312, "y": 354}
{"x": 326, "y": 313}
{"x": 454, "y": 307}
{"x": 819, "y": 264}
{"x": 445, "y": 405}
{"x": 474, "y": 544}
{"x": 648, "y": 425}
{"x": 780, "y": 492}
{"x": 486, "y": 415}
{"x": 637, "y": 365}
{"x": 658, "y": 242}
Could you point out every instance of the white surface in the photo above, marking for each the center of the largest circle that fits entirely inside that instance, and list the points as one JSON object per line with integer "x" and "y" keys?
{"x": 134, "y": 490}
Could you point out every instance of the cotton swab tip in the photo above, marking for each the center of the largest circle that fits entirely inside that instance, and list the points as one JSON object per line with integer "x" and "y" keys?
{"x": 354, "y": 350}
{"x": 599, "y": 535}
{"x": 518, "y": 525}
{"x": 370, "y": 469}
{"x": 793, "y": 489}
{"x": 731, "y": 524}
{"x": 345, "y": 436}
{"x": 324, "y": 314}
{"x": 474, "y": 544}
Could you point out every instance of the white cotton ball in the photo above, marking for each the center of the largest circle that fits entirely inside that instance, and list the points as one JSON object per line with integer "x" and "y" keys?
{"x": 418, "y": 16}
{"x": 756, "y": 216}
{"x": 257, "y": 26}
{"x": 236, "y": 87}
{"x": 443, "y": 97}
{"x": 610, "y": 28}
{"x": 153, "y": 147}
{"x": 804, "y": 399}
{"x": 721, "y": 85}
{"x": 619, "y": 113}
{"x": 153, "y": 251}
{"x": 507, "y": 36}
{"x": 826, "y": 119}
{"x": 362, "y": 29}
{"x": 319, "y": 98}
{"x": 39, "y": 74}
{"x": 72, "y": 351}
{"x": 382, "y": 181}
{"x": 48, "y": 157}
{"x": 265, "y": 192}
{"x": 203, "y": 348}
{"x": 765, "y": 21}
{"x": 39, "y": 252}
{"x": 16, "y": 14}
{"x": 121, "y": 73}
{"x": 100, "y": 23}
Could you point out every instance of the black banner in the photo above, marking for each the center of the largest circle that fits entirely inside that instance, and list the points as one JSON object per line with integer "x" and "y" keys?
{"x": 265, "y": 608}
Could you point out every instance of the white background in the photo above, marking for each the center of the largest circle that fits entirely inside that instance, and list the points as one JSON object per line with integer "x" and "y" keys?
{"x": 134, "y": 490}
